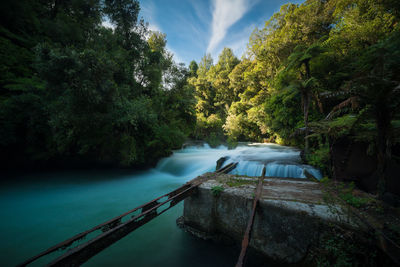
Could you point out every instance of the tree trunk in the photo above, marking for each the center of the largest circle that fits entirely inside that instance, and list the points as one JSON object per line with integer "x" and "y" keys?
{"x": 383, "y": 123}
{"x": 55, "y": 8}
{"x": 331, "y": 142}
{"x": 306, "y": 105}
{"x": 306, "y": 108}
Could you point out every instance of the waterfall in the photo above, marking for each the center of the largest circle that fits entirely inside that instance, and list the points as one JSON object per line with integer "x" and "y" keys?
{"x": 280, "y": 161}
{"x": 290, "y": 170}
{"x": 89, "y": 197}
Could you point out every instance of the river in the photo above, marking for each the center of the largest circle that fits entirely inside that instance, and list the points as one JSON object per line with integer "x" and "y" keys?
{"x": 42, "y": 209}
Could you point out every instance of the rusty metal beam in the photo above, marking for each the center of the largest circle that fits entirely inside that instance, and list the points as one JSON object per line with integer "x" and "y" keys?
{"x": 114, "y": 229}
{"x": 227, "y": 168}
{"x": 246, "y": 238}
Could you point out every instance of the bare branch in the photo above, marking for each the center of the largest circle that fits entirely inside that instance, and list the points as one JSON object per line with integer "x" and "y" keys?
{"x": 353, "y": 101}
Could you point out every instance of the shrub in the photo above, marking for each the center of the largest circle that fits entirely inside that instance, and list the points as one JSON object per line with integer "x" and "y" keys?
{"x": 217, "y": 190}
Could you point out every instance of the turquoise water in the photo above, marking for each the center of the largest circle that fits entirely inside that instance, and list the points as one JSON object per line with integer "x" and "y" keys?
{"x": 43, "y": 209}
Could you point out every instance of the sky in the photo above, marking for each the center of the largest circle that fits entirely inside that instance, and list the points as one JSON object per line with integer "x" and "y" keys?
{"x": 197, "y": 27}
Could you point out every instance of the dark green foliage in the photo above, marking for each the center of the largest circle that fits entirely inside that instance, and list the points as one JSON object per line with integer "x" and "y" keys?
{"x": 319, "y": 157}
{"x": 339, "y": 248}
{"x": 282, "y": 112}
{"x": 316, "y": 72}
{"x": 239, "y": 182}
{"x": 72, "y": 89}
{"x": 193, "y": 67}
{"x": 217, "y": 190}
{"x": 209, "y": 129}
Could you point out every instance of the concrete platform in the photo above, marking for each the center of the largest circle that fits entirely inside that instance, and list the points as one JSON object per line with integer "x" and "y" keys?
{"x": 291, "y": 214}
{"x": 292, "y": 190}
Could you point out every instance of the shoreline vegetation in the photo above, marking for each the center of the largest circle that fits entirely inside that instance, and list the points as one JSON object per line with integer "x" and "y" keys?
{"x": 322, "y": 76}
{"x": 73, "y": 90}
{"x": 350, "y": 227}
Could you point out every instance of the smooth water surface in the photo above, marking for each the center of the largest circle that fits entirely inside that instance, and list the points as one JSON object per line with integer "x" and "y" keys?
{"x": 43, "y": 209}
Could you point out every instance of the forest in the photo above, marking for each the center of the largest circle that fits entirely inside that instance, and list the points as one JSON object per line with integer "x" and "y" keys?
{"x": 73, "y": 90}
{"x": 317, "y": 73}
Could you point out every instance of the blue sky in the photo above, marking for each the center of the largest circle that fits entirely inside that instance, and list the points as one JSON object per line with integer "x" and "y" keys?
{"x": 196, "y": 27}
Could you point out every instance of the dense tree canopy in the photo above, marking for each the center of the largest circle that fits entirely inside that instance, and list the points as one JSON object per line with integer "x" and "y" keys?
{"x": 73, "y": 90}
{"x": 303, "y": 70}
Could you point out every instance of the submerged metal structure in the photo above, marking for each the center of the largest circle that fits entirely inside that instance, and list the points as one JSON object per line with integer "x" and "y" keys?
{"x": 246, "y": 238}
{"x": 105, "y": 234}
{"x": 113, "y": 230}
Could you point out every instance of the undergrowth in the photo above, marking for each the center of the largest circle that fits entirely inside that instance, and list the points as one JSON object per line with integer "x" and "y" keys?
{"x": 340, "y": 247}
{"x": 217, "y": 190}
{"x": 239, "y": 182}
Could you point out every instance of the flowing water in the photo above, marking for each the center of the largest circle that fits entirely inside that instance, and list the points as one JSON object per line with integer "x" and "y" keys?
{"x": 42, "y": 209}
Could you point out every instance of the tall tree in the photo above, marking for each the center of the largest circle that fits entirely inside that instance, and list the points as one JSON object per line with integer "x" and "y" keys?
{"x": 193, "y": 67}
{"x": 224, "y": 95}
{"x": 376, "y": 85}
{"x": 124, "y": 14}
{"x": 72, "y": 89}
{"x": 205, "y": 93}
{"x": 300, "y": 61}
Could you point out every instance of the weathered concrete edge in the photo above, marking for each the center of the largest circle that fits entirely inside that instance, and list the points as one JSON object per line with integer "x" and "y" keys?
{"x": 279, "y": 224}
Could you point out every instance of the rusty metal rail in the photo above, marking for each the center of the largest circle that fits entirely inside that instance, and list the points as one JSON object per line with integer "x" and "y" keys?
{"x": 115, "y": 229}
{"x": 227, "y": 168}
{"x": 246, "y": 238}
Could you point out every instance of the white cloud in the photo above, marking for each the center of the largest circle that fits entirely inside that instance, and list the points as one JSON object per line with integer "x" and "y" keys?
{"x": 106, "y": 23}
{"x": 154, "y": 28}
{"x": 177, "y": 58}
{"x": 238, "y": 41}
{"x": 239, "y": 47}
{"x": 202, "y": 10}
{"x": 148, "y": 11}
{"x": 225, "y": 14}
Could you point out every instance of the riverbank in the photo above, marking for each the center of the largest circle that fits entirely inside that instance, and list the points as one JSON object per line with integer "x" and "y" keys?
{"x": 31, "y": 204}
{"x": 297, "y": 221}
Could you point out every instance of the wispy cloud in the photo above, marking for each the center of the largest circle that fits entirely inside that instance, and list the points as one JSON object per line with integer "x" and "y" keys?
{"x": 225, "y": 14}
{"x": 154, "y": 27}
{"x": 177, "y": 58}
{"x": 202, "y": 10}
{"x": 239, "y": 45}
{"x": 148, "y": 11}
{"x": 106, "y": 23}
{"x": 238, "y": 41}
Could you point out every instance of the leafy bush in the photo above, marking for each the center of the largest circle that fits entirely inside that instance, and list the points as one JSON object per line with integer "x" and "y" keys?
{"x": 320, "y": 158}
{"x": 335, "y": 252}
{"x": 239, "y": 182}
{"x": 217, "y": 190}
{"x": 209, "y": 129}
{"x": 346, "y": 193}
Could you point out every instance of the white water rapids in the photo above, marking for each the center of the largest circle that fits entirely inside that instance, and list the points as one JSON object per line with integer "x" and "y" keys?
{"x": 41, "y": 209}
{"x": 280, "y": 161}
